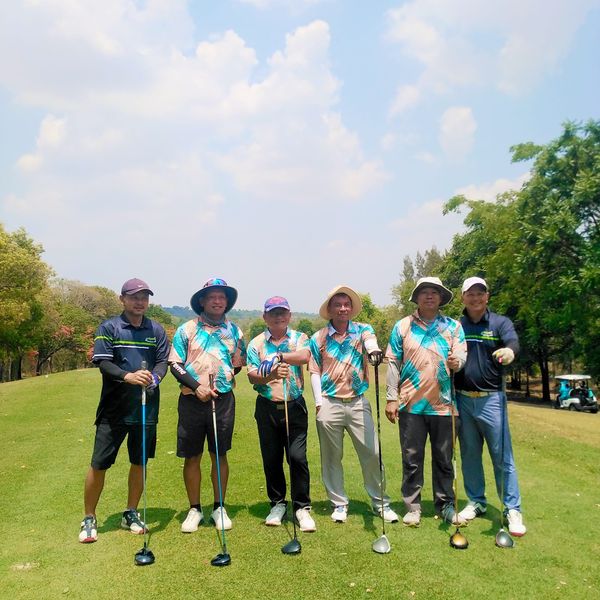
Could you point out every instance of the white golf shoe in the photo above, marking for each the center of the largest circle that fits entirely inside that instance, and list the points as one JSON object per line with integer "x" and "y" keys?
{"x": 216, "y": 517}
{"x": 388, "y": 514}
{"x": 192, "y": 521}
{"x": 306, "y": 522}
{"x": 515, "y": 523}
{"x": 412, "y": 518}
{"x": 276, "y": 515}
{"x": 340, "y": 513}
{"x": 471, "y": 511}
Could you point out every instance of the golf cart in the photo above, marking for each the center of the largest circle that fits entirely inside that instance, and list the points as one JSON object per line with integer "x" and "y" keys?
{"x": 575, "y": 393}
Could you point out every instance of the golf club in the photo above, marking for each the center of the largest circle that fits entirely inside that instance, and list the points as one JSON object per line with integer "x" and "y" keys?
{"x": 503, "y": 539}
{"x": 293, "y": 546}
{"x": 381, "y": 545}
{"x": 145, "y": 556}
{"x": 222, "y": 559}
{"x": 457, "y": 539}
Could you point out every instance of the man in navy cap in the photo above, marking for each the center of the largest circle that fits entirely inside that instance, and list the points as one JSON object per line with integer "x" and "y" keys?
{"x": 275, "y": 359}
{"x": 207, "y": 352}
{"x": 121, "y": 344}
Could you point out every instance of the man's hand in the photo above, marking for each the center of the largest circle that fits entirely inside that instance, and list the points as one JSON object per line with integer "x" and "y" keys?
{"x": 141, "y": 377}
{"x": 504, "y": 356}
{"x": 391, "y": 410}
{"x": 266, "y": 366}
{"x": 376, "y": 357}
{"x": 453, "y": 362}
{"x": 204, "y": 393}
{"x": 282, "y": 371}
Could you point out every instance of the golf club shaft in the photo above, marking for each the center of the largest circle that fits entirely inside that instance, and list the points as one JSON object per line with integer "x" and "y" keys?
{"x": 287, "y": 433}
{"x": 455, "y": 483}
{"x": 379, "y": 445}
{"x": 144, "y": 366}
{"x": 211, "y": 379}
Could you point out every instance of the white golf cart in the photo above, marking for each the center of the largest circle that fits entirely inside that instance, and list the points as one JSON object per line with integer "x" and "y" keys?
{"x": 575, "y": 393}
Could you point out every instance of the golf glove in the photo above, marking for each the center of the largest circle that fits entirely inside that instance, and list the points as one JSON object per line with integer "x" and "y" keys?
{"x": 155, "y": 382}
{"x": 376, "y": 357}
{"x": 266, "y": 366}
{"x": 504, "y": 356}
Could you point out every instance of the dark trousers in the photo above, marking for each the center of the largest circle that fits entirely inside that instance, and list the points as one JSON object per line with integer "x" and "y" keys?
{"x": 270, "y": 419}
{"x": 413, "y": 436}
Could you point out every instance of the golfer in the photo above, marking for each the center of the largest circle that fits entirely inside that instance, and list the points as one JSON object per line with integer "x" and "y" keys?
{"x": 339, "y": 378}
{"x": 493, "y": 343}
{"x": 120, "y": 345}
{"x": 274, "y": 357}
{"x": 207, "y": 347}
{"x": 424, "y": 349}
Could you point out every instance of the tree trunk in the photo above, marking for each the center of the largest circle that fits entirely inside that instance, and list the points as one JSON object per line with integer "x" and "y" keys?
{"x": 545, "y": 373}
{"x": 527, "y": 389}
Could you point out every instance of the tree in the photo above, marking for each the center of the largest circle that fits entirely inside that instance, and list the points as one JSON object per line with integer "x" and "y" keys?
{"x": 381, "y": 319}
{"x": 306, "y": 326}
{"x": 256, "y": 328}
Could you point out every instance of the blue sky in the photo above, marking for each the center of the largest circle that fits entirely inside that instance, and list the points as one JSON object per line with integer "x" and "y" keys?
{"x": 286, "y": 146}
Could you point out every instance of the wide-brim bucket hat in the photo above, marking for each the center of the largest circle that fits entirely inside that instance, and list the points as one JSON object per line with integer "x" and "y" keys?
{"x": 433, "y": 282}
{"x": 214, "y": 284}
{"x": 341, "y": 289}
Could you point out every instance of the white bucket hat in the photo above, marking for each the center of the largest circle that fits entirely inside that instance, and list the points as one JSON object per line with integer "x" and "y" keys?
{"x": 433, "y": 282}
{"x": 341, "y": 289}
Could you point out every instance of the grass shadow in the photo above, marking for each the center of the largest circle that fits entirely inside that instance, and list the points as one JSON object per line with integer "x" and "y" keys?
{"x": 153, "y": 514}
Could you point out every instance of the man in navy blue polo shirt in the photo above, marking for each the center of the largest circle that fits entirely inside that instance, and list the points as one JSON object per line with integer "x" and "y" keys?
{"x": 492, "y": 344}
{"x": 120, "y": 345}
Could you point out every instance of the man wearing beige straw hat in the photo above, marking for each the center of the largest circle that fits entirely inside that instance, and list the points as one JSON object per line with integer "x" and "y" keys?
{"x": 339, "y": 379}
{"x": 423, "y": 351}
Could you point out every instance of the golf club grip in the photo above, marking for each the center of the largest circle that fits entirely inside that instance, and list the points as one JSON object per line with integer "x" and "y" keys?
{"x": 144, "y": 366}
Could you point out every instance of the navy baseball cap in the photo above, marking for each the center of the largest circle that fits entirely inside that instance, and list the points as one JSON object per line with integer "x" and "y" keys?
{"x": 277, "y": 302}
{"x": 135, "y": 285}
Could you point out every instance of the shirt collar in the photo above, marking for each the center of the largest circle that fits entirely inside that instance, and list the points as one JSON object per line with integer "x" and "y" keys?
{"x": 203, "y": 323}
{"x": 268, "y": 334}
{"x": 485, "y": 318}
{"x": 127, "y": 323}
{"x": 352, "y": 328}
{"x": 418, "y": 318}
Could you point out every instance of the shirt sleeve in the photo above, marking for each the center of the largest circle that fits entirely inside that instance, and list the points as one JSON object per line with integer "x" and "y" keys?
{"x": 392, "y": 381}
{"x": 315, "y": 363}
{"x": 103, "y": 343}
{"x": 394, "y": 350}
{"x": 253, "y": 358}
{"x": 162, "y": 352}
{"x": 508, "y": 335}
{"x": 178, "y": 352}
{"x": 369, "y": 339}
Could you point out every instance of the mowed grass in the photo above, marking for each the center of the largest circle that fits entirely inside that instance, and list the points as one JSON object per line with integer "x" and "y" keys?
{"x": 46, "y": 436}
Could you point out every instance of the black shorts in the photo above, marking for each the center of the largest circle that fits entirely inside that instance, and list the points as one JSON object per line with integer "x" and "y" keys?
{"x": 109, "y": 438}
{"x": 196, "y": 424}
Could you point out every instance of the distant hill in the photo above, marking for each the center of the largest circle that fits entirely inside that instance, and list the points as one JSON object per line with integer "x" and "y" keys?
{"x": 185, "y": 312}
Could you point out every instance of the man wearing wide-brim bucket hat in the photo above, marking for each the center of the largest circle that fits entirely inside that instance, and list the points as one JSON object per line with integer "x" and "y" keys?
{"x": 424, "y": 350}
{"x": 209, "y": 348}
{"x": 339, "y": 380}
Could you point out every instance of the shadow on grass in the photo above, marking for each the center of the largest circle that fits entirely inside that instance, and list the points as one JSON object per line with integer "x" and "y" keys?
{"x": 162, "y": 515}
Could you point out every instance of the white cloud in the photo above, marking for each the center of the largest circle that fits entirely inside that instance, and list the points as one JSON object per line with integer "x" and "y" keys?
{"x": 292, "y": 4}
{"x": 407, "y": 96}
{"x": 489, "y": 191}
{"x": 457, "y": 132}
{"x": 508, "y": 44}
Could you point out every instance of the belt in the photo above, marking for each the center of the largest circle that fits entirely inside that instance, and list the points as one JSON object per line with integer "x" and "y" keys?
{"x": 474, "y": 394}
{"x": 279, "y": 404}
{"x": 344, "y": 400}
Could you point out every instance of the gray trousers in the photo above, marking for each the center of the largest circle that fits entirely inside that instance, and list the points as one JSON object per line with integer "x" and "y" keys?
{"x": 413, "y": 436}
{"x": 334, "y": 418}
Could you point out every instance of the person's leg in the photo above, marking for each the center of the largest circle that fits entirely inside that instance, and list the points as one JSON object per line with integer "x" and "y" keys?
{"x": 413, "y": 435}
{"x": 192, "y": 477}
{"x": 440, "y": 435}
{"x": 361, "y": 428}
{"x": 135, "y": 485}
{"x": 300, "y": 474}
{"x": 94, "y": 484}
{"x": 470, "y": 435}
{"x": 267, "y": 417}
{"x": 330, "y": 427}
{"x": 492, "y": 414}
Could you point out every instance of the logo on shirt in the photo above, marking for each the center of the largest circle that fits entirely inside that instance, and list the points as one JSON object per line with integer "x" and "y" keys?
{"x": 151, "y": 340}
{"x": 488, "y": 335}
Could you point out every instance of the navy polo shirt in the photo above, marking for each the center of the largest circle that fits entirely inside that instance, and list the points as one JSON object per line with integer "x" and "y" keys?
{"x": 127, "y": 346}
{"x": 481, "y": 372}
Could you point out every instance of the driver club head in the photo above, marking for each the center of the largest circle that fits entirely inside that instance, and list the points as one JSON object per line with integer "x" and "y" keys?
{"x": 221, "y": 560}
{"x": 458, "y": 540}
{"x": 382, "y": 545}
{"x": 292, "y": 547}
{"x": 503, "y": 539}
{"x": 144, "y": 557}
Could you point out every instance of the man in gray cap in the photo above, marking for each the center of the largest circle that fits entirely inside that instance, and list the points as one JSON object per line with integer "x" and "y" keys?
{"x": 121, "y": 345}
{"x": 423, "y": 351}
{"x": 493, "y": 344}
{"x": 207, "y": 349}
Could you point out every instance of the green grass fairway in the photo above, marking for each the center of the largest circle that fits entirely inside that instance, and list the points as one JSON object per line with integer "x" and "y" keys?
{"x": 46, "y": 435}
